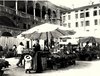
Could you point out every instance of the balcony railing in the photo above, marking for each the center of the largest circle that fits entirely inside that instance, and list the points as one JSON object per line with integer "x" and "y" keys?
{"x": 13, "y": 11}
{"x": 14, "y": 28}
{"x": 22, "y": 14}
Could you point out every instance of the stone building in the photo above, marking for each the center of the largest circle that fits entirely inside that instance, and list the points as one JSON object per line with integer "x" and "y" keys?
{"x": 19, "y": 15}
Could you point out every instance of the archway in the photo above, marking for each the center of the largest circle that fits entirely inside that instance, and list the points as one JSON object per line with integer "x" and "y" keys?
{"x": 54, "y": 14}
{"x": 6, "y": 21}
{"x": 43, "y": 12}
{"x": 37, "y": 10}
{"x": 49, "y": 13}
{"x": 30, "y": 7}
{"x": 10, "y": 4}
{"x": 21, "y": 6}
{"x": 7, "y": 34}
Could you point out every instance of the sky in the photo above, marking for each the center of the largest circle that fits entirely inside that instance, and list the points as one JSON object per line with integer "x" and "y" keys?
{"x": 74, "y": 3}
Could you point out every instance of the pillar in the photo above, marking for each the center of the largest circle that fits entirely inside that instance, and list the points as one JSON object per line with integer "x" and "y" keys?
{"x": 41, "y": 13}
{"x": 16, "y": 4}
{"x": 26, "y": 6}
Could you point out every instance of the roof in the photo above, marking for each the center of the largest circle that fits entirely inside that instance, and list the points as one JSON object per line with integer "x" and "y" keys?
{"x": 85, "y": 7}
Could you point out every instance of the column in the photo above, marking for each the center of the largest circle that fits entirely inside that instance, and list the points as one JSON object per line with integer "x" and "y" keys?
{"x": 16, "y": 4}
{"x": 41, "y": 13}
{"x": 51, "y": 16}
{"x": 26, "y": 6}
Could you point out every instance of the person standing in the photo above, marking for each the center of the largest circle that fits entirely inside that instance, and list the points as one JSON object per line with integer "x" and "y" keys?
{"x": 1, "y": 51}
{"x": 20, "y": 54}
{"x": 37, "y": 57}
{"x": 14, "y": 50}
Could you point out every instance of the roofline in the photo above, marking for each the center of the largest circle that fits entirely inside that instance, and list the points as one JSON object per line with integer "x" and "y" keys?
{"x": 85, "y": 7}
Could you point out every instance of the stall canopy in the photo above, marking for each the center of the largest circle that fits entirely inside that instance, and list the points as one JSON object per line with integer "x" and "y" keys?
{"x": 90, "y": 40}
{"x": 46, "y": 31}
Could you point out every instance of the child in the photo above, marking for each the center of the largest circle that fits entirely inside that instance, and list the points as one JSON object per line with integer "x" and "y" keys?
{"x": 28, "y": 62}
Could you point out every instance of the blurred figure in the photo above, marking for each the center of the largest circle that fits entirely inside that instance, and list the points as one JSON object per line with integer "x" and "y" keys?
{"x": 20, "y": 54}
{"x": 87, "y": 47}
{"x": 36, "y": 46}
{"x": 69, "y": 48}
{"x": 1, "y": 49}
{"x": 6, "y": 49}
{"x": 14, "y": 48}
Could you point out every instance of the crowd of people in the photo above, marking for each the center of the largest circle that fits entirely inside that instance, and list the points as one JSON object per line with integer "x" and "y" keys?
{"x": 53, "y": 47}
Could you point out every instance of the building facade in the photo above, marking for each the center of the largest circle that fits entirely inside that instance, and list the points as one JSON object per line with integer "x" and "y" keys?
{"x": 86, "y": 18}
{"x": 19, "y": 15}
{"x": 24, "y": 14}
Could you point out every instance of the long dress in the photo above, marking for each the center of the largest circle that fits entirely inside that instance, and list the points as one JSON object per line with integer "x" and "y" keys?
{"x": 37, "y": 63}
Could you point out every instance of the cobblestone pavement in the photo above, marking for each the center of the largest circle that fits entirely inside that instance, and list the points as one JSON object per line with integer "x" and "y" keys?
{"x": 82, "y": 68}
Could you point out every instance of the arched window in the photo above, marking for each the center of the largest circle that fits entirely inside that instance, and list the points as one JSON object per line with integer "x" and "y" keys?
{"x": 21, "y": 6}
{"x": 37, "y": 10}
{"x": 10, "y": 4}
{"x": 49, "y": 13}
{"x": 54, "y": 14}
{"x": 7, "y": 34}
{"x": 43, "y": 12}
{"x": 30, "y": 7}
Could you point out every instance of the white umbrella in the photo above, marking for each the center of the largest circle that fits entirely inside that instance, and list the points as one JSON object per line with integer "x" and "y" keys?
{"x": 46, "y": 31}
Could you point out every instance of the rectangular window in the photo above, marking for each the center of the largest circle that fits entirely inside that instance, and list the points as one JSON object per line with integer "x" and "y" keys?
{"x": 87, "y": 14}
{"x": 76, "y": 16}
{"x": 87, "y": 9}
{"x": 64, "y": 18}
{"x": 87, "y": 23}
{"x": 82, "y": 23}
{"x": 95, "y": 22}
{"x": 95, "y": 13}
{"x": 81, "y": 15}
{"x": 69, "y": 25}
{"x": 95, "y": 7}
{"x": 69, "y": 17}
{"x": 76, "y": 24}
{"x": 99, "y": 12}
{"x": 69, "y": 12}
{"x": 81, "y": 10}
{"x": 76, "y": 11}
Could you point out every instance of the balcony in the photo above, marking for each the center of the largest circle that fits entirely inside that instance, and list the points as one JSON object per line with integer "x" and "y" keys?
{"x": 14, "y": 12}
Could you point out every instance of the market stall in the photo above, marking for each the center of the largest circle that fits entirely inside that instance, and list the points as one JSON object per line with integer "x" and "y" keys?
{"x": 46, "y": 32}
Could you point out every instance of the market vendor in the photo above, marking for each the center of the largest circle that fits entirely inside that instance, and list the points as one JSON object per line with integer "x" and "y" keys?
{"x": 37, "y": 57}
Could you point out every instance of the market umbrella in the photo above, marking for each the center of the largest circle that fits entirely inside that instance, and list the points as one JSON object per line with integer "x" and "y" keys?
{"x": 90, "y": 40}
{"x": 46, "y": 31}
